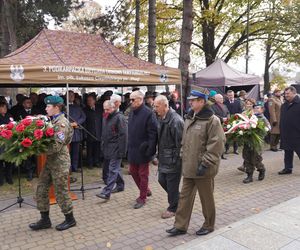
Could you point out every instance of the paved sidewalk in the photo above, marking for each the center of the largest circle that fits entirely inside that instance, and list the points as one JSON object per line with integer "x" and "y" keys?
{"x": 116, "y": 225}
{"x": 275, "y": 228}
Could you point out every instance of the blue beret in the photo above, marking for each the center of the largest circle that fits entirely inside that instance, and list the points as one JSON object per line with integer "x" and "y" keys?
{"x": 53, "y": 100}
{"x": 197, "y": 94}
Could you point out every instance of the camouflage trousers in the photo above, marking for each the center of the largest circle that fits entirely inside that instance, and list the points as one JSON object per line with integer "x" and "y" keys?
{"x": 56, "y": 174}
{"x": 252, "y": 160}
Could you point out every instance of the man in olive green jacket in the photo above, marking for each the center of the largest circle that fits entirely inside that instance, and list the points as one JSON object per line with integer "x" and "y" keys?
{"x": 202, "y": 146}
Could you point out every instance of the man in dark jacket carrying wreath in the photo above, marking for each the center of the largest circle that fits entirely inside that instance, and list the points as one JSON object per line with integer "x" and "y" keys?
{"x": 170, "y": 128}
{"x": 142, "y": 140}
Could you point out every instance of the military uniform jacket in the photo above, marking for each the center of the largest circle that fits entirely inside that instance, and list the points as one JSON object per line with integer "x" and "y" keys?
{"x": 274, "y": 110}
{"x": 58, "y": 152}
{"x": 202, "y": 143}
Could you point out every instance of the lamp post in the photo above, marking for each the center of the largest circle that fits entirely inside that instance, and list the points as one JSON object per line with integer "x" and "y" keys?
{"x": 247, "y": 41}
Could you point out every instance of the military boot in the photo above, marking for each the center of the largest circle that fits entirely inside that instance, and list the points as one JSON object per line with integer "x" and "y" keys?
{"x": 43, "y": 223}
{"x": 69, "y": 222}
{"x": 261, "y": 174}
{"x": 248, "y": 179}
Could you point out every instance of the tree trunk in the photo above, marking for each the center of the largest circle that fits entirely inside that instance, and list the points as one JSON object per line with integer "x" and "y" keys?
{"x": 137, "y": 28}
{"x": 4, "y": 34}
{"x": 267, "y": 85}
{"x": 208, "y": 34}
{"x": 8, "y": 10}
{"x": 152, "y": 35}
{"x": 185, "y": 43}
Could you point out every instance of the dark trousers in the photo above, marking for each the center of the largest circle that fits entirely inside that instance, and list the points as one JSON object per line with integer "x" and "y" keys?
{"x": 105, "y": 170}
{"x": 170, "y": 183}
{"x": 114, "y": 177}
{"x": 140, "y": 175}
{"x": 235, "y": 147}
{"x": 5, "y": 172}
{"x": 274, "y": 140}
{"x": 74, "y": 153}
{"x": 93, "y": 153}
{"x": 289, "y": 157}
{"x": 30, "y": 165}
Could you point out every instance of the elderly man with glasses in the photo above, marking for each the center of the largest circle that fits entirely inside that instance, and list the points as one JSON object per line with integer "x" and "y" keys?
{"x": 142, "y": 140}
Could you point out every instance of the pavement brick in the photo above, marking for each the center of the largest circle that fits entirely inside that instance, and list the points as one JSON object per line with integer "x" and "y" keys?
{"x": 125, "y": 228}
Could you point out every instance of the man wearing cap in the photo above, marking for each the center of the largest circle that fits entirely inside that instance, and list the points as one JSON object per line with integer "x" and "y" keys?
{"x": 274, "y": 104}
{"x": 202, "y": 146}
{"x": 56, "y": 170}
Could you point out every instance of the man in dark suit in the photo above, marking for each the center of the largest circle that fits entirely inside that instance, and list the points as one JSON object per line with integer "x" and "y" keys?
{"x": 27, "y": 110}
{"x": 77, "y": 116}
{"x": 234, "y": 106}
{"x": 93, "y": 124}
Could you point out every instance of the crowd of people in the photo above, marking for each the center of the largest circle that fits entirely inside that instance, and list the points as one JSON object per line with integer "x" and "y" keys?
{"x": 144, "y": 127}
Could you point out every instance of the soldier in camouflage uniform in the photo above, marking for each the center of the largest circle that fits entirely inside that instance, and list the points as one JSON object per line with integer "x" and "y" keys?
{"x": 253, "y": 157}
{"x": 56, "y": 170}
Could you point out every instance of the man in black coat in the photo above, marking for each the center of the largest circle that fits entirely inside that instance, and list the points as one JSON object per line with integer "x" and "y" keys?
{"x": 5, "y": 167}
{"x": 235, "y": 107}
{"x": 77, "y": 116}
{"x": 142, "y": 140}
{"x": 114, "y": 141}
{"x": 290, "y": 128}
{"x": 93, "y": 124}
{"x": 170, "y": 129}
{"x": 27, "y": 110}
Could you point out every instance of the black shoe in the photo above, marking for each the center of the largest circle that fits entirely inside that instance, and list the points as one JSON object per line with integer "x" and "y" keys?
{"x": 117, "y": 190}
{"x": 10, "y": 182}
{"x": 261, "y": 175}
{"x": 102, "y": 196}
{"x": 90, "y": 167}
{"x": 203, "y": 231}
{"x": 69, "y": 222}
{"x": 285, "y": 171}
{"x": 274, "y": 149}
{"x": 174, "y": 231}
{"x": 138, "y": 205}
{"x": 149, "y": 193}
{"x": 223, "y": 158}
{"x": 43, "y": 223}
{"x": 236, "y": 152}
{"x": 248, "y": 179}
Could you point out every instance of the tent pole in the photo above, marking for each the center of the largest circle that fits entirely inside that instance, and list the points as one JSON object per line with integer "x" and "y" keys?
{"x": 67, "y": 97}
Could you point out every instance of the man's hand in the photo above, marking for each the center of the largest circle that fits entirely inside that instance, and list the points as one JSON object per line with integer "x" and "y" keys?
{"x": 201, "y": 170}
{"x": 74, "y": 124}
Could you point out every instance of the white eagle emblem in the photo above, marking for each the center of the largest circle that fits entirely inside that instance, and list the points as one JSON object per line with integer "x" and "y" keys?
{"x": 163, "y": 77}
{"x": 17, "y": 73}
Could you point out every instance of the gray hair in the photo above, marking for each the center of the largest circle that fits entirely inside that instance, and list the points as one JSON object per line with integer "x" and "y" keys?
{"x": 116, "y": 98}
{"x": 110, "y": 104}
{"x": 291, "y": 88}
{"x": 138, "y": 93}
{"x": 162, "y": 99}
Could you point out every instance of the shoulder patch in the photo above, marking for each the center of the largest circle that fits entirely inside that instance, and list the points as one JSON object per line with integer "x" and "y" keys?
{"x": 61, "y": 135}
